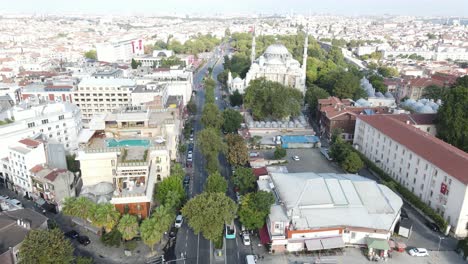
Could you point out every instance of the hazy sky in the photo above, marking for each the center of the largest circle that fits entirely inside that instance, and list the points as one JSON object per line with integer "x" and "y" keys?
{"x": 347, "y": 7}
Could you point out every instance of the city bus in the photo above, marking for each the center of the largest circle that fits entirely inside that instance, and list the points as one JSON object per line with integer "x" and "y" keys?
{"x": 231, "y": 231}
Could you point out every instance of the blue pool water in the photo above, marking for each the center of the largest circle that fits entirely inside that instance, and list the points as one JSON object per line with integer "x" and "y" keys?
{"x": 127, "y": 143}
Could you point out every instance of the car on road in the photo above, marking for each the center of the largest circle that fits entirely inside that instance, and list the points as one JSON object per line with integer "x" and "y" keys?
{"x": 191, "y": 137}
{"x": 404, "y": 214}
{"x": 83, "y": 240}
{"x": 186, "y": 180}
{"x": 296, "y": 158}
{"x": 246, "y": 239}
{"x": 173, "y": 232}
{"x": 432, "y": 226}
{"x": 418, "y": 252}
{"x": 178, "y": 221}
{"x": 190, "y": 147}
{"x": 238, "y": 197}
{"x": 72, "y": 234}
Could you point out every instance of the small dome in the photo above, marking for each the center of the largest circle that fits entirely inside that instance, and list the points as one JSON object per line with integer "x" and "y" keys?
{"x": 362, "y": 102}
{"x": 388, "y": 95}
{"x": 426, "y": 110}
{"x": 274, "y": 61}
{"x": 277, "y": 49}
{"x": 409, "y": 102}
{"x": 237, "y": 80}
{"x": 379, "y": 94}
{"x": 417, "y": 106}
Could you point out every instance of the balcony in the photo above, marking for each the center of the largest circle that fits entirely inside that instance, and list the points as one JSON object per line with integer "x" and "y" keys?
{"x": 130, "y": 187}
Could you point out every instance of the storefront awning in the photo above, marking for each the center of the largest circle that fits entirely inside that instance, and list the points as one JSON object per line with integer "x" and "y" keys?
{"x": 377, "y": 243}
{"x": 313, "y": 244}
{"x": 332, "y": 242}
{"x": 264, "y": 236}
{"x": 325, "y": 243}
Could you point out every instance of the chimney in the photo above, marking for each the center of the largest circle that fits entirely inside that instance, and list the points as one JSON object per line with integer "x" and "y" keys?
{"x": 407, "y": 122}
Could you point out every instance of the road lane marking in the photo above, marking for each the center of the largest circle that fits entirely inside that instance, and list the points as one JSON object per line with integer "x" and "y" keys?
{"x": 198, "y": 247}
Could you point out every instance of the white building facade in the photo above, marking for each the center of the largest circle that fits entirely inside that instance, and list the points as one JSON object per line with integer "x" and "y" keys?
{"x": 119, "y": 51}
{"x": 431, "y": 169}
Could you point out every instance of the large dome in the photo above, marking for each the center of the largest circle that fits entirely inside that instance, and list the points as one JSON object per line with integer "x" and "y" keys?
{"x": 277, "y": 49}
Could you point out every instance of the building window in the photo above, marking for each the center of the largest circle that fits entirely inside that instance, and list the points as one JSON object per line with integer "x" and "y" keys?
{"x": 45, "y": 121}
{"x": 32, "y": 124}
{"x": 414, "y": 180}
{"x": 353, "y": 235}
{"x": 450, "y": 181}
{"x": 61, "y": 117}
{"x": 422, "y": 186}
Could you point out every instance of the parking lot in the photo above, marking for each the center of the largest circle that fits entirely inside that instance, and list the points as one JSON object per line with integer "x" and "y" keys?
{"x": 309, "y": 160}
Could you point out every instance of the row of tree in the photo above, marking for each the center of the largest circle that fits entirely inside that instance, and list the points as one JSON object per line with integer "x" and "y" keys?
{"x": 344, "y": 155}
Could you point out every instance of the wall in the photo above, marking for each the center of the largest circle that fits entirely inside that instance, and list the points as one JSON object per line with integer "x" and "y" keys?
{"x": 97, "y": 167}
{"x": 139, "y": 209}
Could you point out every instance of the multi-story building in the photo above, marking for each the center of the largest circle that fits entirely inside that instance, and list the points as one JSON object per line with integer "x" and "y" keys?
{"x": 180, "y": 82}
{"x": 119, "y": 51}
{"x": 103, "y": 95}
{"x": 52, "y": 184}
{"x": 23, "y": 156}
{"x": 57, "y": 122}
{"x": 131, "y": 167}
{"x": 153, "y": 95}
{"x": 47, "y": 93}
{"x": 430, "y": 168}
{"x": 325, "y": 211}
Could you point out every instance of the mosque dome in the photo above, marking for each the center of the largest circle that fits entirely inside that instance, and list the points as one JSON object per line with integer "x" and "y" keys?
{"x": 426, "y": 110}
{"x": 277, "y": 49}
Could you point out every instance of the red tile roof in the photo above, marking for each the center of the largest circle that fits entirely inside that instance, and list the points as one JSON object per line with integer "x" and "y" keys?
{"x": 416, "y": 119}
{"x": 53, "y": 174}
{"x": 443, "y": 155}
{"x": 36, "y": 168}
{"x": 260, "y": 171}
{"x": 30, "y": 142}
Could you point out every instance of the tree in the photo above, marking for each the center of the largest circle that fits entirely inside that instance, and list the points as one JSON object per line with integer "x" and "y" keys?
{"x": 216, "y": 183}
{"x": 135, "y": 64}
{"x": 244, "y": 179}
{"x": 313, "y": 94}
{"x": 192, "y": 106}
{"x": 462, "y": 81}
{"x": 237, "y": 150}
{"x": 434, "y": 92}
{"x": 279, "y": 153}
{"x": 112, "y": 238}
{"x": 128, "y": 226}
{"x": 81, "y": 207}
{"x": 91, "y": 54}
{"x": 210, "y": 142}
{"x": 378, "y": 83}
{"x": 236, "y": 98}
{"x": 211, "y": 116}
{"x": 207, "y": 213}
{"x": 171, "y": 190}
{"x": 339, "y": 150}
{"x": 44, "y": 247}
{"x": 152, "y": 229}
{"x": 272, "y": 99}
{"x": 105, "y": 216}
{"x": 387, "y": 71}
{"x": 352, "y": 162}
{"x": 84, "y": 260}
{"x": 232, "y": 120}
{"x": 452, "y": 118}
{"x": 254, "y": 209}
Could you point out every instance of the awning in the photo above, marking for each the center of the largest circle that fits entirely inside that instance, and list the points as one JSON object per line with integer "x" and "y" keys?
{"x": 85, "y": 135}
{"x": 332, "y": 242}
{"x": 264, "y": 236}
{"x": 313, "y": 244}
{"x": 377, "y": 243}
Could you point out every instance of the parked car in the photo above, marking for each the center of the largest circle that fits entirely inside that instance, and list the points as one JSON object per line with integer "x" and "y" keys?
{"x": 191, "y": 137}
{"x": 190, "y": 147}
{"x": 238, "y": 197}
{"x": 254, "y": 154}
{"x": 15, "y": 202}
{"x": 246, "y": 239}
{"x": 403, "y": 214}
{"x": 186, "y": 180}
{"x": 178, "y": 221}
{"x": 418, "y": 252}
{"x": 83, "y": 240}
{"x": 72, "y": 234}
{"x": 4, "y": 196}
{"x": 296, "y": 158}
{"x": 432, "y": 226}
{"x": 173, "y": 232}
{"x": 189, "y": 152}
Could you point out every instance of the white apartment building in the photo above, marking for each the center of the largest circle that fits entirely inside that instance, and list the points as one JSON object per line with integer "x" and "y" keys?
{"x": 57, "y": 122}
{"x": 103, "y": 95}
{"x": 152, "y": 94}
{"x": 180, "y": 82}
{"x": 119, "y": 51}
{"x": 23, "y": 156}
{"x": 433, "y": 170}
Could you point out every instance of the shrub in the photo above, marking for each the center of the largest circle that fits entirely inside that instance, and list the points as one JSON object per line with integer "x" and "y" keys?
{"x": 279, "y": 153}
{"x": 113, "y": 238}
{"x": 131, "y": 245}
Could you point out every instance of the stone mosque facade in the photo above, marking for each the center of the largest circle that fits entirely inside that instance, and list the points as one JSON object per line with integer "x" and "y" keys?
{"x": 276, "y": 64}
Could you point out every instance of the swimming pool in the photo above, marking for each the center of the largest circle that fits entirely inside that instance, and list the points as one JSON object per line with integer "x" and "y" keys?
{"x": 127, "y": 143}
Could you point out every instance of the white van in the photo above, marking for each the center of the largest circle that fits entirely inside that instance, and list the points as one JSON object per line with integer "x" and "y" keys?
{"x": 250, "y": 259}
{"x": 15, "y": 202}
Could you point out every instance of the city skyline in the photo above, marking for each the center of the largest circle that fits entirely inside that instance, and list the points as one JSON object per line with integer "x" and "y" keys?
{"x": 208, "y": 7}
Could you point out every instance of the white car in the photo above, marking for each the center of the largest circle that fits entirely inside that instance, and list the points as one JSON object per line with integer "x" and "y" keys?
{"x": 178, "y": 221}
{"x": 296, "y": 158}
{"x": 246, "y": 239}
{"x": 418, "y": 252}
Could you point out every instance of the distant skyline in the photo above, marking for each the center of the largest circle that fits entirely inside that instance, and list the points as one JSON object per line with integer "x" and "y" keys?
{"x": 211, "y": 7}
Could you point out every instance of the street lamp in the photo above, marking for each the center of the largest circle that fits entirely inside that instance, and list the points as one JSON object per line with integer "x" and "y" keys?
{"x": 440, "y": 239}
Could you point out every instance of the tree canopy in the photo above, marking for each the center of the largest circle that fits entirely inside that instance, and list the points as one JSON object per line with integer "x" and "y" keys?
{"x": 196, "y": 44}
{"x": 452, "y": 118}
{"x": 211, "y": 116}
{"x": 378, "y": 83}
{"x": 340, "y": 83}
{"x": 236, "y": 98}
{"x": 272, "y": 99}
{"x": 434, "y": 92}
{"x": 237, "y": 153}
{"x": 216, "y": 183}
{"x": 170, "y": 191}
{"x": 244, "y": 179}
{"x": 44, "y": 247}
{"x": 207, "y": 213}
{"x": 128, "y": 226}
{"x": 254, "y": 209}
{"x": 91, "y": 54}
{"x": 387, "y": 71}
{"x": 313, "y": 94}
{"x": 352, "y": 162}
{"x": 232, "y": 120}
{"x": 152, "y": 229}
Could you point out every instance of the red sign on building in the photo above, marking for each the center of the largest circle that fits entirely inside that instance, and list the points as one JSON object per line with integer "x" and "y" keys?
{"x": 443, "y": 188}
